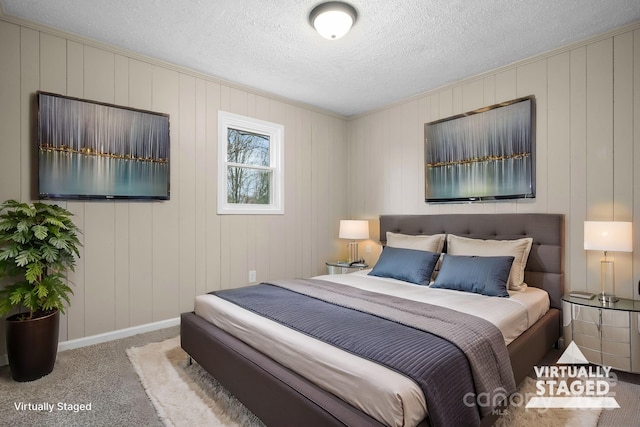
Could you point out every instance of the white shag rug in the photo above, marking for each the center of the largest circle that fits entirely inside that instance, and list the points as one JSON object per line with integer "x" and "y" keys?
{"x": 183, "y": 394}
{"x": 186, "y": 395}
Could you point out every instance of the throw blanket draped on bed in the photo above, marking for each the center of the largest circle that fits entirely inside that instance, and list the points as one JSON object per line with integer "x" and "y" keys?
{"x": 371, "y": 325}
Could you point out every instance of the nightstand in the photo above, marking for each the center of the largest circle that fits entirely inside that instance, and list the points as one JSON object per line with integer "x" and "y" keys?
{"x": 607, "y": 334}
{"x": 343, "y": 267}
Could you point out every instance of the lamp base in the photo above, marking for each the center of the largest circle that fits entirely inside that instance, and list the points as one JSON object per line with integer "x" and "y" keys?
{"x": 607, "y": 298}
{"x": 353, "y": 252}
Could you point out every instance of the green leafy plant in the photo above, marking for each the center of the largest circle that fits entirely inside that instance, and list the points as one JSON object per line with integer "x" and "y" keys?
{"x": 38, "y": 244}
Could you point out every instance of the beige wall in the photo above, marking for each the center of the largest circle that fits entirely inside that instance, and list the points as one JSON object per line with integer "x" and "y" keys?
{"x": 588, "y": 146}
{"x": 145, "y": 261}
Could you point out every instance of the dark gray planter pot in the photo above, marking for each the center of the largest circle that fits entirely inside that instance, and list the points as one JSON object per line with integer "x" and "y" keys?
{"x": 32, "y": 345}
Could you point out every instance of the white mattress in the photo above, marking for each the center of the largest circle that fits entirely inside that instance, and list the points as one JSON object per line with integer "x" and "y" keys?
{"x": 390, "y": 397}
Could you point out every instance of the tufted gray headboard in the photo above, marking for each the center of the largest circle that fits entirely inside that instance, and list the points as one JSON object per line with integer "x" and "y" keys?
{"x": 545, "y": 267}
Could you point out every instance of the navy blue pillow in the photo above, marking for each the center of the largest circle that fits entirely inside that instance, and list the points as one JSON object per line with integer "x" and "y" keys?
{"x": 478, "y": 274}
{"x": 409, "y": 265}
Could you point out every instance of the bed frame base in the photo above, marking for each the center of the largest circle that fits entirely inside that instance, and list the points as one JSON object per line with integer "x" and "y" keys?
{"x": 278, "y": 396}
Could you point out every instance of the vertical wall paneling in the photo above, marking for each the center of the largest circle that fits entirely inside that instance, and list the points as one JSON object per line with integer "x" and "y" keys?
{"x": 321, "y": 219}
{"x": 187, "y": 191}
{"x": 122, "y": 307}
{"x": 281, "y": 261}
{"x": 166, "y": 242}
{"x": 636, "y": 161}
{"x": 505, "y": 89}
{"x": 10, "y": 111}
{"x": 52, "y": 57}
{"x": 141, "y": 218}
{"x": 558, "y": 133}
{"x": 472, "y": 99}
{"x": 75, "y": 316}
{"x": 258, "y": 240}
{"x": 599, "y": 143}
{"x": 395, "y": 159}
{"x": 473, "y": 95}
{"x": 53, "y": 67}
{"x": 99, "y": 74}
{"x": 200, "y": 176}
{"x": 75, "y": 87}
{"x": 505, "y": 84}
{"x": 75, "y": 69}
{"x": 600, "y": 130}
{"x": 489, "y": 88}
{"x": 412, "y": 155}
{"x": 99, "y": 220}
{"x": 303, "y": 165}
{"x": 11, "y": 157}
{"x": 623, "y": 152}
{"x": 234, "y": 234}
{"x": 30, "y": 79}
{"x": 99, "y": 264}
{"x": 213, "y": 232}
{"x": 532, "y": 80}
{"x": 576, "y": 269}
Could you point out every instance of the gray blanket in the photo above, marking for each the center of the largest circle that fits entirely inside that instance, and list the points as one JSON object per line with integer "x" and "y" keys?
{"x": 371, "y": 325}
{"x": 480, "y": 340}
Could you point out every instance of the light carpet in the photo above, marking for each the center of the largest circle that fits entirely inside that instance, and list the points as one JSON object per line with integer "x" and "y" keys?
{"x": 183, "y": 394}
{"x": 518, "y": 415}
{"x": 186, "y": 394}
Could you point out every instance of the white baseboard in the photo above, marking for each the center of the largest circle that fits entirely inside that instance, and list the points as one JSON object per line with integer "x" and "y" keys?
{"x": 108, "y": 336}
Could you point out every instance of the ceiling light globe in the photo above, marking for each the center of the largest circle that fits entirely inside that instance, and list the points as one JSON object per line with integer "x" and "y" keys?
{"x": 333, "y": 19}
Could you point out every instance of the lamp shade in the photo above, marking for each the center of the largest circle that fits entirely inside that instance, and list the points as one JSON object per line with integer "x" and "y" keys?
{"x": 608, "y": 236}
{"x": 332, "y": 19}
{"x": 354, "y": 229}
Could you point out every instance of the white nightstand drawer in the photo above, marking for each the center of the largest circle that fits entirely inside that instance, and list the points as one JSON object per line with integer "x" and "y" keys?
{"x": 593, "y": 356}
{"x": 616, "y": 362}
{"x": 616, "y": 348}
{"x": 586, "y": 341}
{"x": 586, "y": 314}
{"x": 615, "y": 318}
{"x": 586, "y": 328}
{"x": 615, "y": 334}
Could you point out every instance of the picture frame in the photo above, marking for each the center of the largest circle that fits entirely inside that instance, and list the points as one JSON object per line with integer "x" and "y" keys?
{"x": 485, "y": 154}
{"x": 94, "y": 150}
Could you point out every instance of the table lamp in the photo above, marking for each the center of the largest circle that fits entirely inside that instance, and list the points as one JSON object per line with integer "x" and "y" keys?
{"x": 607, "y": 236}
{"x": 354, "y": 230}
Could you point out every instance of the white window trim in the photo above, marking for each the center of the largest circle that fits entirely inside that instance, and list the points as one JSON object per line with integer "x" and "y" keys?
{"x": 276, "y": 150}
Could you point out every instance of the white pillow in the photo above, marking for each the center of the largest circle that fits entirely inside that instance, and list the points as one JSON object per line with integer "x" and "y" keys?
{"x": 433, "y": 243}
{"x": 519, "y": 249}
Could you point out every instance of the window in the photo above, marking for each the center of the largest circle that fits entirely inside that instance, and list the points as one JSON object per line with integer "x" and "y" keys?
{"x": 250, "y": 165}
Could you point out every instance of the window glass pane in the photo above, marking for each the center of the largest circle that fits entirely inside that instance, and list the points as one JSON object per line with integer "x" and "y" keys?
{"x": 247, "y": 148}
{"x": 248, "y": 186}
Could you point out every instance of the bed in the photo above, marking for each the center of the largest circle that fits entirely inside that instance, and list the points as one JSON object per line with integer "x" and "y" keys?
{"x": 280, "y": 396}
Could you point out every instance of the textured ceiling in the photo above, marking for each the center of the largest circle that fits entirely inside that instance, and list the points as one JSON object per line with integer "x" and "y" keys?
{"x": 396, "y": 49}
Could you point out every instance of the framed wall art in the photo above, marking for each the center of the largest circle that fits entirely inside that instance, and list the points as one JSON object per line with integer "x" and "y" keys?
{"x": 93, "y": 150}
{"x": 485, "y": 154}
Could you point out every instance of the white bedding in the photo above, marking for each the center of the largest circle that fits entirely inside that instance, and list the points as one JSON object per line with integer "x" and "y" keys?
{"x": 390, "y": 397}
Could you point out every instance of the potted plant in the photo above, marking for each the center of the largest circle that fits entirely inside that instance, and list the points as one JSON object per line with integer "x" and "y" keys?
{"x": 38, "y": 244}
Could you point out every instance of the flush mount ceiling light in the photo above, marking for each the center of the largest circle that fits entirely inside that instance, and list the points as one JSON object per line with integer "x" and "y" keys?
{"x": 333, "y": 19}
